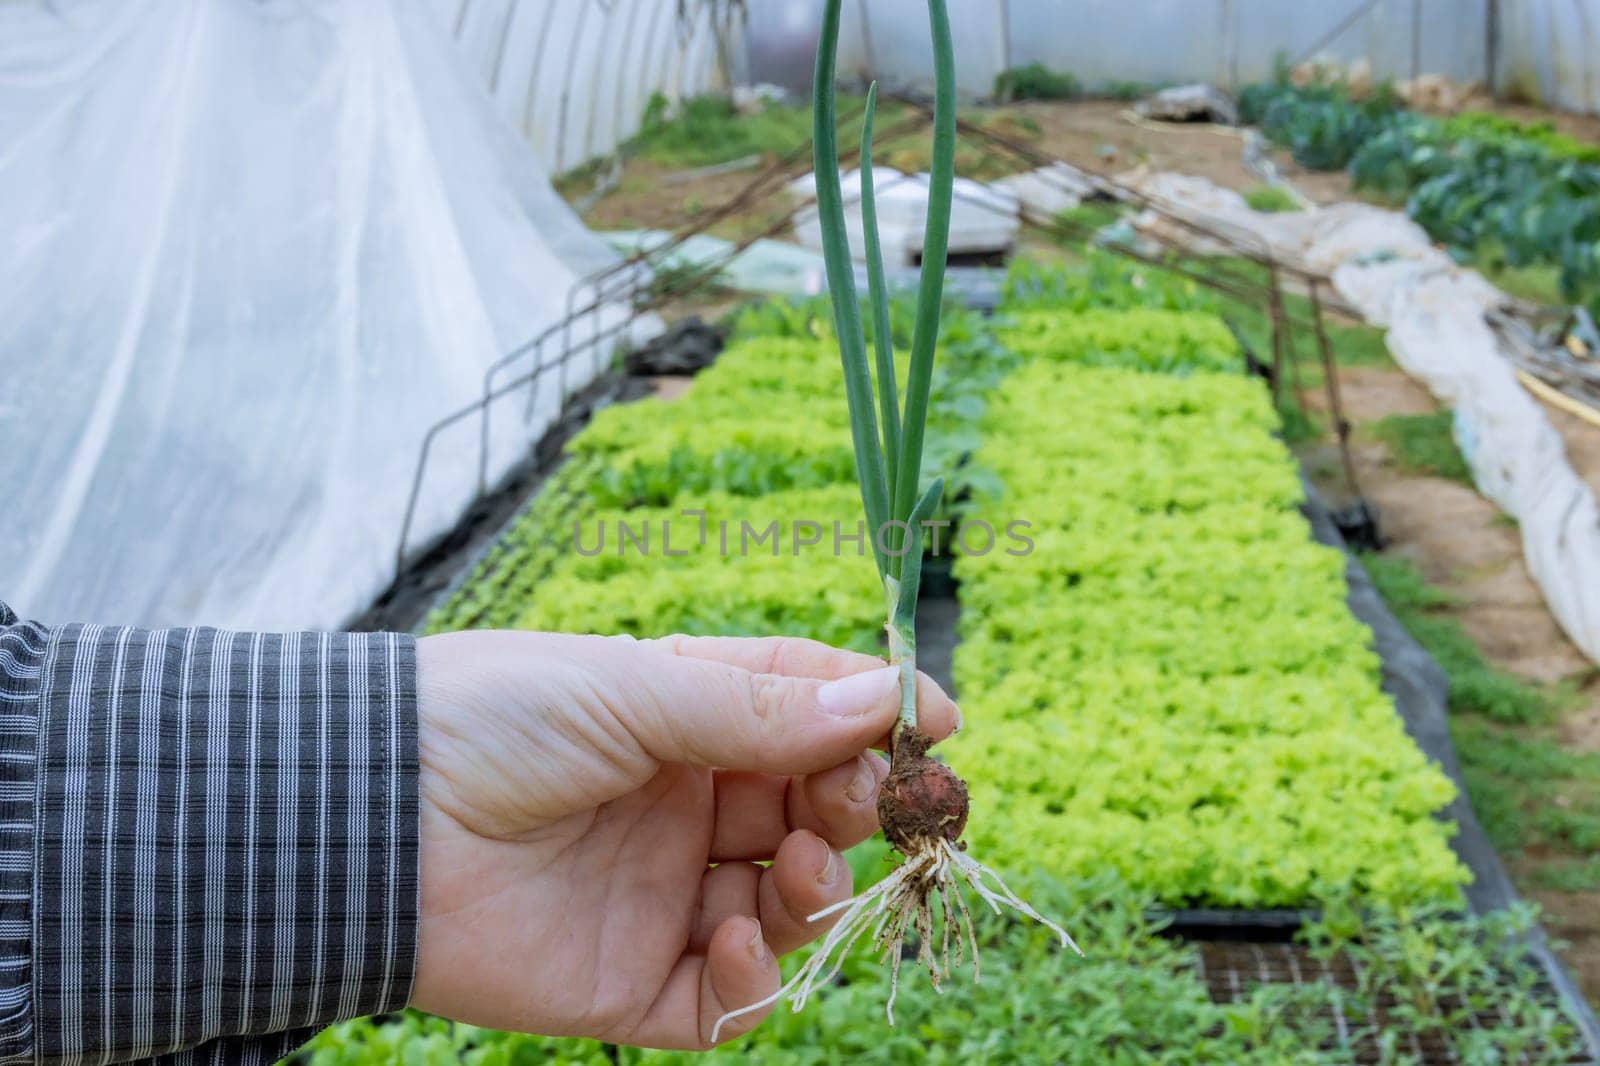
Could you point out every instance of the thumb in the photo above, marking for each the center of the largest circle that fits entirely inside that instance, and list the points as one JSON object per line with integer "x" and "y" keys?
{"x": 712, "y": 714}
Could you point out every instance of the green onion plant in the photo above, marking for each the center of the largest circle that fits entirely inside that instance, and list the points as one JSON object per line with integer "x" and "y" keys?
{"x": 922, "y": 804}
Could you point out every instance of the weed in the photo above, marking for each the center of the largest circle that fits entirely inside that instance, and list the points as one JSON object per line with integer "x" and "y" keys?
{"x": 1036, "y": 82}
{"x": 1424, "y": 444}
{"x": 1573, "y": 875}
{"x": 1475, "y": 685}
{"x": 705, "y": 130}
{"x": 1127, "y": 90}
{"x": 1532, "y": 793}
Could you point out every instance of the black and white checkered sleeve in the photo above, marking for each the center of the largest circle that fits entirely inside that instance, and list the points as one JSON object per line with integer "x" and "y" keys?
{"x": 208, "y": 840}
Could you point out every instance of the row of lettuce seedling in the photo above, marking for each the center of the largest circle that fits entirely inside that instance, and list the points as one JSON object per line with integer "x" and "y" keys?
{"x": 1160, "y": 670}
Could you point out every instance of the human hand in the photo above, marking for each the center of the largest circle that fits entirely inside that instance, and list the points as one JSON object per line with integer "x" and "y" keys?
{"x": 576, "y": 791}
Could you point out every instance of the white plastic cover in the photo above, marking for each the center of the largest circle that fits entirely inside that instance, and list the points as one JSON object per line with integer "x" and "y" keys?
{"x": 1045, "y": 192}
{"x": 1385, "y": 267}
{"x": 983, "y": 218}
{"x": 766, "y": 266}
{"x": 251, "y": 251}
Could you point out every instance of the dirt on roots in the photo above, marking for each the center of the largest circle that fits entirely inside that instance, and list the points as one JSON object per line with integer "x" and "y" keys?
{"x": 922, "y": 799}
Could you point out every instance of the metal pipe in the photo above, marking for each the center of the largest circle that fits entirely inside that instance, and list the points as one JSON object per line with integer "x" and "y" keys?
{"x": 1330, "y": 376}
{"x": 1335, "y": 33}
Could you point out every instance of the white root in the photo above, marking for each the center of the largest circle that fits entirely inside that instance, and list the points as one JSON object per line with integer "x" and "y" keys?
{"x": 901, "y": 901}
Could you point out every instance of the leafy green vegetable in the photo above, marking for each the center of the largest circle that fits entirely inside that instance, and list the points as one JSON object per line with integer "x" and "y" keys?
{"x": 1322, "y": 125}
{"x": 1145, "y": 339}
{"x": 1520, "y": 196}
{"x": 1156, "y": 683}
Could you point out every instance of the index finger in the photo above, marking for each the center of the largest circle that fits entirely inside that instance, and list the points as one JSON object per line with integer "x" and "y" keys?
{"x": 937, "y": 714}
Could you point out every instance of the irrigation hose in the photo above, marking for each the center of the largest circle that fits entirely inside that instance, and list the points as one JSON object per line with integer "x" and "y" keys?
{"x": 1558, "y": 399}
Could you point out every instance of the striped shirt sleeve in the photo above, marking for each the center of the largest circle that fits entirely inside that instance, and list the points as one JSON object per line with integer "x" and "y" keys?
{"x": 208, "y": 840}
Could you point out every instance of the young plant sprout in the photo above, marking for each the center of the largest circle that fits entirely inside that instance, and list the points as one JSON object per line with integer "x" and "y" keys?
{"x": 922, "y": 804}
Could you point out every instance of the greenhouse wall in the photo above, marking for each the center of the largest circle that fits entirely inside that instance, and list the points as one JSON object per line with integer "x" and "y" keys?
{"x": 576, "y": 75}
{"x": 253, "y": 253}
{"x": 1102, "y": 41}
{"x": 1547, "y": 52}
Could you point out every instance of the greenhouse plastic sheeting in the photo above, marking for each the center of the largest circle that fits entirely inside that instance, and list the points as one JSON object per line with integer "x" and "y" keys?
{"x": 1227, "y": 42}
{"x": 1549, "y": 51}
{"x": 253, "y": 250}
{"x": 1384, "y": 266}
{"x": 576, "y": 75}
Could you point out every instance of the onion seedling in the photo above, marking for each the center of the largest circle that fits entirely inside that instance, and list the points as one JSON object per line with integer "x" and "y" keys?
{"x": 922, "y": 804}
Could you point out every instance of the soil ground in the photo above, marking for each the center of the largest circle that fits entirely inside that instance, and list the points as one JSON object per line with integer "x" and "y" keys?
{"x": 1457, "y": 539}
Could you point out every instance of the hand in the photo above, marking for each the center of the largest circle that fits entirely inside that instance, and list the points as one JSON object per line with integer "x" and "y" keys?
{"x": 576, "y": 792}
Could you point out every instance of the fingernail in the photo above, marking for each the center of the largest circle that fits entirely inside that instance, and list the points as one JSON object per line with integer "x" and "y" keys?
{"x": 858, "y": 694}
{"x": 960, "y": 720}
{"x": 758, "y": 943}
{"x": 860, "y": 787}
{"x": 830, "y": 869}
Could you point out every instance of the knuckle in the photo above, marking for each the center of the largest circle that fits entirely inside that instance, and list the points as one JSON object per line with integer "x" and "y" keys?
{"x": 770, "y": 696}
{"x": 776, "y": 655}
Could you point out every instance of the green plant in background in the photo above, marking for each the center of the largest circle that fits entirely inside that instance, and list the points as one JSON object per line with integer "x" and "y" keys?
{"x": 705, "y": 130}
{"x": 1323, "y": 126}
{"x": 1127, "y": 91}
{"x": 1087, "y": 220}
{"x": 1160, "y": 667}
{"x": 1522, "y": 199}
{"x": 1142, "y": 339}
{"x": 1532, "y": 794}
{"x": 1173, "y": 616}
{"x": 1475, "y": 685}
{"x": 1138, "y": 999}
{"x": 1487, "y": 125}
{"x": 1434, "y": 973}
{"x": 1424, "y": 444}
{"x": 1100, "y": 279}
{"x": 1273, "y": 198}
{"x": 1036, "y": 82}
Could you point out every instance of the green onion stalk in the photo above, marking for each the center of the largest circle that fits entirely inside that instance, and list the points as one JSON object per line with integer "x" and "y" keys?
{"x": 922, "y": 804}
